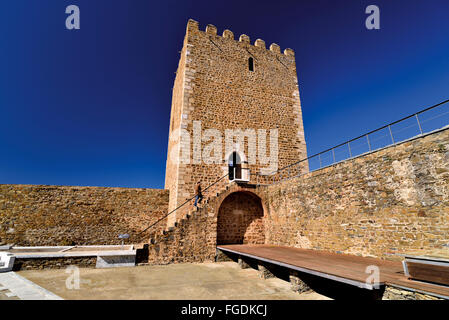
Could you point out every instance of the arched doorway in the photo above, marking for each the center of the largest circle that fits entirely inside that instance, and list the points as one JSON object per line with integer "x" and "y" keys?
{"x": 235, "y": 166}
{"x": 240, "y": 220}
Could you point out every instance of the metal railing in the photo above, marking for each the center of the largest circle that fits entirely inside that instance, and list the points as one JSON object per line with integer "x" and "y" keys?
{"x": 245, "y": 175}
{"x": 180, "y": 206}
{"x": 417, "y": 124}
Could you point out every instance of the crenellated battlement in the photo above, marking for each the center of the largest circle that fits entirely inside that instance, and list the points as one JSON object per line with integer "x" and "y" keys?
{"x": 193, "y": 26}
{"x": 230, "y": 85}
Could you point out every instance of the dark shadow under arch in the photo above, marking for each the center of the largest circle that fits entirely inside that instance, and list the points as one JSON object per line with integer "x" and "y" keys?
{"x": 240, "y": 220}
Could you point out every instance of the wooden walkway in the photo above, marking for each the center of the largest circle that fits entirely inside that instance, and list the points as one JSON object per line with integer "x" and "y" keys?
{"x": 340, "y": 267}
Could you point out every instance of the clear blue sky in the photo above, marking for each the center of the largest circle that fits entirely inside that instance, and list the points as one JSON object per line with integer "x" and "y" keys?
{"x": 91, "y": 107}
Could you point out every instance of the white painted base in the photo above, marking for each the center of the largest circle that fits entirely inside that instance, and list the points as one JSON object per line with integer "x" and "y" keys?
{"x": 6, "y": 261}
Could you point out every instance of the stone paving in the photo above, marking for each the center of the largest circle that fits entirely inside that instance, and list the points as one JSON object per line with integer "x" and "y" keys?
{"x": 208, "y": 281}
{"x": 15, "y": 287}
{"x": 6, "y": 294}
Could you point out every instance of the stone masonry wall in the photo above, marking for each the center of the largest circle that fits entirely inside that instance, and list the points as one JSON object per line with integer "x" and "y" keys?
{"x": 59, "y": 215}
{"x": 172, "y": 167}
{"x": 389, "y": 202}
{"x": 53, "y": 263}
{"x": 392, "y": 293}
{"x": 240, "y": 220}
{"x": 214, "y": 87}
{"x": 193, "y": 239}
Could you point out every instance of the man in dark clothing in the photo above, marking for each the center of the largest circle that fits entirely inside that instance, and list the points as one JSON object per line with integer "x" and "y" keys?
{"x": 199, "y": 195}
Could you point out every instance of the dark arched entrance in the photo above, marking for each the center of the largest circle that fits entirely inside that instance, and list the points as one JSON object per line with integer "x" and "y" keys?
{"x": 240, "y": 220}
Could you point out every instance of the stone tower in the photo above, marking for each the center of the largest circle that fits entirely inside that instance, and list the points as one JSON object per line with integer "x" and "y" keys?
{"x": 235, "y": 107}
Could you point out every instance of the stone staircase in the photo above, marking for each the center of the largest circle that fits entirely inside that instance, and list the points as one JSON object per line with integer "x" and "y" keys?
{"x": 192, "y": 223}
{"x": 190, "y": 212}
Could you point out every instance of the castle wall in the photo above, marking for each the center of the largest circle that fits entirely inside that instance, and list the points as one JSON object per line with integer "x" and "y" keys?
{"x": 389, "y": 202}
{"x": 240, "y": 220}
{"x": 60, "y": 215}
{"x": 172, "y": 167}
{"x": 192, "y": 240}
{"x": 194, "y": 237}
{"x": 219, "y": 91}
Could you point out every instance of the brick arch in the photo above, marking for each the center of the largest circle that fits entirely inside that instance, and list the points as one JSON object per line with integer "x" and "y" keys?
{"x": 240, "y": 219}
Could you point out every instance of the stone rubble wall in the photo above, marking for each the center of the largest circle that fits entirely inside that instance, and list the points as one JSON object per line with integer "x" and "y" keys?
{"x": 62, "y": 215}
{"x": 389, "y": 202}
{"x": 53, "y": 263}
{"x": 392, "y": 293}
{"x": 193, "y": 239}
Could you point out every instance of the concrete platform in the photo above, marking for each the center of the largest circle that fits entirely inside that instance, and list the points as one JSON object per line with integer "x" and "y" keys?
{"x": 108, "y": 256}
{"x": 70, "y": 251}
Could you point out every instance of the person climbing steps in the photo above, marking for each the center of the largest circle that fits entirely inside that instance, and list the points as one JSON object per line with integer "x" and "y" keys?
{"x": 198, "y": 193}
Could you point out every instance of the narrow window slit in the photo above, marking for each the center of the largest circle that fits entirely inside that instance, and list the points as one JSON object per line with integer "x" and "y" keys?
{"x": 251, "y": 64}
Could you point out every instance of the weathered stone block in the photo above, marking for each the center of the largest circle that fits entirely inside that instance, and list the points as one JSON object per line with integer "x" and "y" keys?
{"x": 264, "y": 272}
{"x": 297, "y": 284}
{"x": 243, "y": 264}
{"x": 392, "y": 293}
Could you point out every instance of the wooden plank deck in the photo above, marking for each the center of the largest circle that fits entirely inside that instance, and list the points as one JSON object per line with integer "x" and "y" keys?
{"x": 340, "y": 267}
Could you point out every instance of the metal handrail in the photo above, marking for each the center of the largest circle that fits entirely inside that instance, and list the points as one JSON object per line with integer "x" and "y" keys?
{"x": 416, "y": 114}
{"x": 248, "y": 170}
{"x": 361, "y": 136}
{"x": 179, "y": 207}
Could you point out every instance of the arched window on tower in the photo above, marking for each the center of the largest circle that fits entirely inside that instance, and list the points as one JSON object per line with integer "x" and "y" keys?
{"x": 251, "y": 64}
